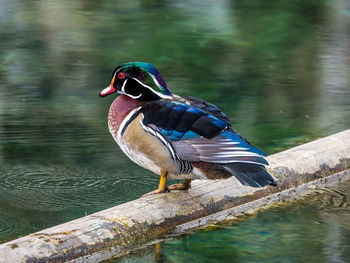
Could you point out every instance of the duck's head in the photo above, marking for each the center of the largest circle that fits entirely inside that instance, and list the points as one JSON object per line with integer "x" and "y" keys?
{"x": 138, "y": 80}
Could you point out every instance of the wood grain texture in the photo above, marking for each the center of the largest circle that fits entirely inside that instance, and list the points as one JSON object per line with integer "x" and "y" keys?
{"x": 131, "y": 225}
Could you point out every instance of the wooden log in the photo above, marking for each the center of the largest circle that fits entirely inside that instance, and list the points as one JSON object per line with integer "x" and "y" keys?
{"x": 131, "y": 225}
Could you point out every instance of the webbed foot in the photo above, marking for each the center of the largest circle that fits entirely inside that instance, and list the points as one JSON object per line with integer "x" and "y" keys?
{"x": 185, "y": 186}
{"x": 162, "y": 185}
{"x": 157, "y": 191}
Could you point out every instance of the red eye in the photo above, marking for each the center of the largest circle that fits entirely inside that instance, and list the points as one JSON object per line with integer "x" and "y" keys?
{"x": 121, "y": 75}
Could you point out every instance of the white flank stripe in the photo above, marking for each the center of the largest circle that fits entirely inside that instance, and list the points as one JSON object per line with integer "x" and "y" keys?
{"x": 161, "y": 137}
{"x": 125, "y": 121}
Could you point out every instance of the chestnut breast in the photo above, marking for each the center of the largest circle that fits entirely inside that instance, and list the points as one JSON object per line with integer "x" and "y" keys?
{"x": 119, "y": 109}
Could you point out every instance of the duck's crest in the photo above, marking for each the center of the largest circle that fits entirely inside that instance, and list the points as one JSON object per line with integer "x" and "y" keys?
{"x": 154, "y": 73}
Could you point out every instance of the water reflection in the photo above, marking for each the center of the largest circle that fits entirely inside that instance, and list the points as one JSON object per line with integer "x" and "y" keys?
{"x": 314, "y": 230}
{"x": 280, "y": 70}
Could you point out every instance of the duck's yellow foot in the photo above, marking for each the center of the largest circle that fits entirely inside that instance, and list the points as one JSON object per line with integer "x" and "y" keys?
{"x": 157, "y": 191}
{"x": 162, "y": 185}
{"x": 185, "y": 186}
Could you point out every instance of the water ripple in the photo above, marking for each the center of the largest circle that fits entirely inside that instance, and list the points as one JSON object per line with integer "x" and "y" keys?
{"x": 331, "y": 198}
{"x": 61, "y": 187}
{"x": 34, "y": 197}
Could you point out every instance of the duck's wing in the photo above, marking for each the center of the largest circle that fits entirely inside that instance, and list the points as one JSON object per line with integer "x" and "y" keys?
{"x": 205, "y": 106}
{"x": 225, "y": 148}
{"x": 192, "y": 135}
{"x": 197, "y": 136}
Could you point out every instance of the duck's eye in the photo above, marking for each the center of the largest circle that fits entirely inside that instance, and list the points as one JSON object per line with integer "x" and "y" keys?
{"x": 121, "y": 75}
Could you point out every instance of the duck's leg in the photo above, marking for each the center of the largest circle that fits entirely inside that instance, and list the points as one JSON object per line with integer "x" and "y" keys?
{"x": 162, "y": 188}
{"x": 159, "y": 252}
{"x": 185, "y": 186}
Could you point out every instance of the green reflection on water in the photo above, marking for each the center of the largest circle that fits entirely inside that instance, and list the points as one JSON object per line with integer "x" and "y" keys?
{"x": 279, "y": 69}
{"x": 315, "y": 230}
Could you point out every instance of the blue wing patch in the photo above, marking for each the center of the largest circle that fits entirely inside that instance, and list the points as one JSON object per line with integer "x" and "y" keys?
{"x": 177, "y": 121}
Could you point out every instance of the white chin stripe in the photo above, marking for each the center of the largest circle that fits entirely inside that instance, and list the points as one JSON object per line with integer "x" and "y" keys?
{"x": 122, "y": 91}
{"x": 134, "y": 97}
{"x": 123, "y": 87}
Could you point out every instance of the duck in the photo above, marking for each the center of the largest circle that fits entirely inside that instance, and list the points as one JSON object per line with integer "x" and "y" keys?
{"x": 178, "y": 137}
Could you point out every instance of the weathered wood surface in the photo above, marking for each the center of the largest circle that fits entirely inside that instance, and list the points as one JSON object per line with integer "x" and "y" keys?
{"x": 131, "y": 225}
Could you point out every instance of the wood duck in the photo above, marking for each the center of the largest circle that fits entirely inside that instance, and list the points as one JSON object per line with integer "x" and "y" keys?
{"x": 178, "y": 137}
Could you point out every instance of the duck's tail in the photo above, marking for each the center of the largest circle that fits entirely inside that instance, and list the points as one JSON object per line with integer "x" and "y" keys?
{"x": 250, "y": 174}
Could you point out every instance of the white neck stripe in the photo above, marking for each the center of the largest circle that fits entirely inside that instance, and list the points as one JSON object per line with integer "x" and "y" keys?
{"x": 152, "y": 90}
{"x": 156, "y": 81}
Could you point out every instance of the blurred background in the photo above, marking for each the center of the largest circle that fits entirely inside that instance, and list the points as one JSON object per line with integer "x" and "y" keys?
{"x": 279, "y": 69}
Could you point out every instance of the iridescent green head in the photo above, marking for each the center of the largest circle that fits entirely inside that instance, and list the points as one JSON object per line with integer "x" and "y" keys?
{"x": 138, "y": 80}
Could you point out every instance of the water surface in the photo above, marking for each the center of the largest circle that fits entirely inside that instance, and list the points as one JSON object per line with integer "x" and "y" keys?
{"x": 279, "y": 69}
{"x": 313, "y": 230}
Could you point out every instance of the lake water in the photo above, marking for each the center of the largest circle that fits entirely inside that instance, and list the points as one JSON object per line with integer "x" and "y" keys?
{"x": 279, "y": 69}
{"x": 314, "y": 230}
